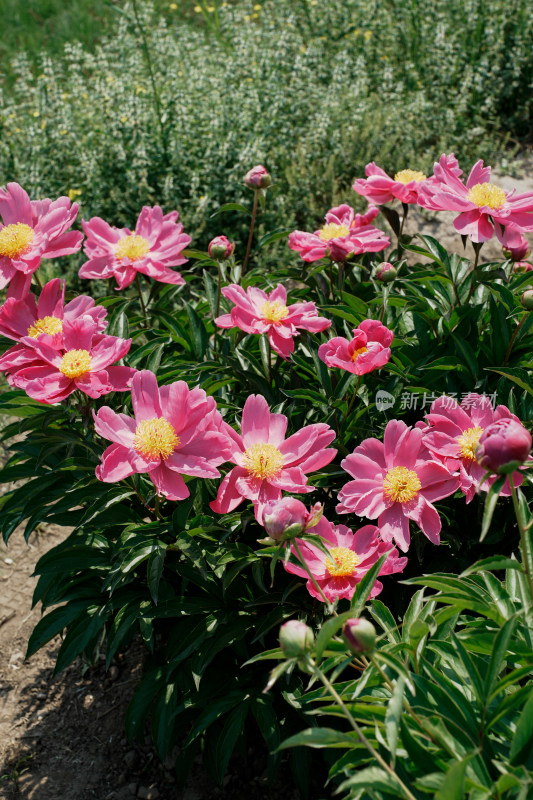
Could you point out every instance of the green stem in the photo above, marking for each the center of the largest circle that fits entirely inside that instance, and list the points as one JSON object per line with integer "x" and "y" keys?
{"x": 525, "y": 538}
{"x": 477, "y": 250}
{"x": 355, "y": 727}
{"x": 311, "y": 576}
{"x": 139, "y": 292}
{"x": 513, "y": 337}
{"x": 37, "y": 280}
{"x": 250, "y": 235}
{"x": 354, "y": 395}
{"x": 218, "y": 303}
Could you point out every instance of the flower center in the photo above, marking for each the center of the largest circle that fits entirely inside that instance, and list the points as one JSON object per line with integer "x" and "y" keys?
{"x": 15, "y": 239}
{"x": 132, "y": 247}
{"x": 49, "y": 325}
{"x": 343, "y": 563}
{"x": 263, "y": 460}
{"x": 408, "y": 175}
{"x": 487, "y": 194}
{"x": 75, "y": 363}
{"x": 357, "y": 353}
{"x": 401, "y": 484}
{"x": 155, "y": 438}
{"x": 274, "y": 311}
{"x": 333, "y": 231}
{"x": 468, "y": 441}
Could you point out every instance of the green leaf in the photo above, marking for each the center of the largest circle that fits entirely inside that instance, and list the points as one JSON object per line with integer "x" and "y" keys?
{"x": 227, "y": 739}
{"x": 365, "y": 586}
{"x": 53, "y": 623}
{"x": 231, "y": 207}
{"x": 493, "y": 562}
{"x": 319, "y": 738}
{"x": 515, "y": 379}
{"x": 491, "y": 500}
{"x": 393, "y": 715}
{"x": 186, "y": 543}
{"x": 199, "y": 333}
{"x": 155, "y": 569}
{"x": 453, "y": 785}
{"x": 375, "y": 777}
{"x": 499, "y": 653}
{"x": 522, "y": 743}
{"x": 328, "y": 630}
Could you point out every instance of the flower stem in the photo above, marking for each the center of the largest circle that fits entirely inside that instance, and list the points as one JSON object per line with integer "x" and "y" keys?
{"x": 250, "y": 235}
{"x": 37, "y": 280}
{"x": 513, "y": 337}
{"x": 311, "y": 576}
{"x": 218, "y": 304}
{"x": 139, "y": 292}
{"x": 525, "y": 538}
{"x": 355, "y": 727}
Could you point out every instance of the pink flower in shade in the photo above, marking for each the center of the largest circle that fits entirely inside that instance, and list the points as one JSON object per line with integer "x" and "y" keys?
{"x": 267, "y": 464}
{"x": 344, "y": 234}
{"x": 175, "y": 431}
{"x": 20, "y": 318}
{"x": 152, "y": 248}
{"x": 368, "y": 350}
{"x": 396, "y": 480}
{"x": 351, "y": 556}
{"x": 454, "y": 432}
{"x": 485, "y": 208}
{"x": 258, "y": 312}
{"x": 32, "y": 230}
{"x": 84, "y": 363}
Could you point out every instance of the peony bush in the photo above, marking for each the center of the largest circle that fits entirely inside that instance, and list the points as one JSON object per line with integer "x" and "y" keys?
{"x": 169, "y": 420}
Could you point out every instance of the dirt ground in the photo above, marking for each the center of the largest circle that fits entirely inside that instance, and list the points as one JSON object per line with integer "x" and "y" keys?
{"x": 63, "y": 738}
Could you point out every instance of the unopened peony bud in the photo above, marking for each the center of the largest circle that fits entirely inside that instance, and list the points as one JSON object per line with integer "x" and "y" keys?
{"x": 295, "y": 638}
{"x": 518, "y": 252}
{"x": 220, "y": 248}
{"x": 359, "y": 635}
{"x": 503, "y": 446}
{"x": 522, "y": 267}
{"x": 527, "y": 299}
{"x": 285, "y": 518}
{"x": 385, "y": 272}
{"x": 257, "y": 178}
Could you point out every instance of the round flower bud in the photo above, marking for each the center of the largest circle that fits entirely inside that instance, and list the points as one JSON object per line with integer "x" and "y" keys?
{"x": 220, "y": 248}
{"x": 285, "y": 518}
{"x": 257, "y": 178}
{"x": 385, "y": 272}
{"x": 527, "y": 299}
{"x": 295, "y": 638}
{"x": 522, "y": 267}
{"x": 359, "y": 635}
{"x": 518, "y": 252}
{"x": 503, "y": 446}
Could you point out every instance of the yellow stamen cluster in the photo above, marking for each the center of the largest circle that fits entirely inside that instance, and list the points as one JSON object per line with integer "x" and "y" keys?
{"x": 467, "y": 442}
{"x": 408, "y": 175}
{"x": 487, "y": 194}
{"x": 401, "y": 485}
{"x": 155, "y": 438}
{"x": 75, "y": 363}
{"x": 343, "y": 563}
{"x": 15, "y": 239}
{"x": 357, "y": 353}
{"x": 133, "y": 247}
{"x": 333, "y": 231}
{"x": 274, "y": 311}
{"x": 49, "y": 325}
{"x": 263, "y": 460}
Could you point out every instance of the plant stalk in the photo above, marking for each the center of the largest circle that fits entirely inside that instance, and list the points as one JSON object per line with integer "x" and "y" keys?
{"x": 250, "y": 235}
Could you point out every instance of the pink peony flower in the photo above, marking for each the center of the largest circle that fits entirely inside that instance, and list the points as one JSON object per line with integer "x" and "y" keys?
{"x": 20, "y": 318}
{"x": 83, "y": 362}
{"x": 220, "y": 248}
{"x": 379, "y": 188}
{"x": 344, "y": 234}
{"x": 175, "y": 431}
{"x": 268, "y": 464}
{"x": 385, "y": 272}
{"x": 503, "y": 446}
{"x": 519, "y": 251}
{"x": 351, "y": 556}
{"x": 152, "y": 248}
{"x": 283, "y": 519}
{"x": 258, "y": 312}
{"x": 396, "y": 480}
{"x": 367, "y": 351}
{"x": 257, "y": 178}
{"x": 484, "y": 207}
{"x": 453, "y": 435}
{"x": 32, "y": 230}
